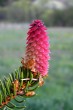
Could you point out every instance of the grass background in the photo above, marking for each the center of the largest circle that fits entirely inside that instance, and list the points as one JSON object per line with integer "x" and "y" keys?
{"x": 57, "y": 93}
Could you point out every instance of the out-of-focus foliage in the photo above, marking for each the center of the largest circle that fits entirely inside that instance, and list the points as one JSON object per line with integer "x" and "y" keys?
{"x": 5, "y": 2}
{"x": 27, "y": 10}
{"x": 59, "y": 17}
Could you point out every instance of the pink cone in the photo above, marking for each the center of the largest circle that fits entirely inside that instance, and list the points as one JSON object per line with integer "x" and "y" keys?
{"x": 38, "y": 47}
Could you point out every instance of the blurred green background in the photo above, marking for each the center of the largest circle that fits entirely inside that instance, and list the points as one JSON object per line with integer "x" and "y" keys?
{"x": 15, "y": 16}
{"x": 52, "y": 12}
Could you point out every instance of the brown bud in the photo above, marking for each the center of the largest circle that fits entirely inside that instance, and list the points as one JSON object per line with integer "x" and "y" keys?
{"x": 8, "y": 98}
{"x": 41, "y": 81}
{"x": 16, "y": 82}
{"x": 30, "y": 93}
{"x": 23, "y": 86}
{"x": 29, "y": 64}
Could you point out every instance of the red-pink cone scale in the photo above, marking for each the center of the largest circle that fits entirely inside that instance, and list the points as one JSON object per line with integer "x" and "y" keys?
{"x": 38, "y": 47}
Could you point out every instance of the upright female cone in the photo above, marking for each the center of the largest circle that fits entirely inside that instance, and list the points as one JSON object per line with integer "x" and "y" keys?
{"x": 37, "y": 49}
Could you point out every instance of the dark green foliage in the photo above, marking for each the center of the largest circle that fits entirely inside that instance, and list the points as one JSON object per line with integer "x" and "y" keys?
{"x": 60, "y": 18}
{"x": 3, "y": 2}
{"x": 6, "y": 2}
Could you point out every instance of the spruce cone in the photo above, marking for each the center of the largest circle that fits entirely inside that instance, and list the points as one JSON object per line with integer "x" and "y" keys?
{"x": 37, "y": 49}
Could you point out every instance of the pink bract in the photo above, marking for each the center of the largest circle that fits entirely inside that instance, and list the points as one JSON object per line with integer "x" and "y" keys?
{"x": 38, "y": 47}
